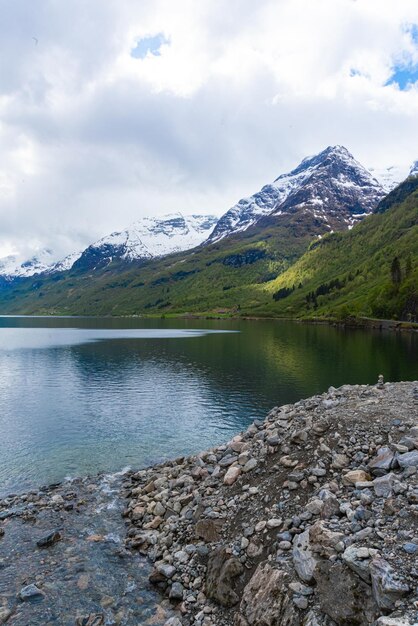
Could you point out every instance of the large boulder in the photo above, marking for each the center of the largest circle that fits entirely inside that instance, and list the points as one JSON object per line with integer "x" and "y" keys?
{"x": 266, "y": 600}
{"x": 220, "y": 577}
{"x": 387, "y": 588}
{"x": 303, "y": 558}
{"x": 343, "y": 596}
{"x": 383, "y": 462}
{"x": 408, "y": 459}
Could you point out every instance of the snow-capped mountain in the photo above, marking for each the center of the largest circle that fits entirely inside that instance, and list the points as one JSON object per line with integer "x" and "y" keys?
{"x": 148, "y": 238}
{"x": 331, "y": 186}
{"x": 41, "y": 263}
{"x": 65, "y": 264}
{"x": 10, "y": 267}
{"x": 145, "y": 239}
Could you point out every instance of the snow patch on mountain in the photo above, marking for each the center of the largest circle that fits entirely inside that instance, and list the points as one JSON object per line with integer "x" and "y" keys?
{"x": 41, "y": 263}
{"x": 65, "y": 264}
{"x": 148, "y": 238}
{"x": 389, "y": 177}
{"x": 11, "y": 267}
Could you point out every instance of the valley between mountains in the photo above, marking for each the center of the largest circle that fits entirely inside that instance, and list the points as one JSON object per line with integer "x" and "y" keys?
{"x": 326, "y": 240}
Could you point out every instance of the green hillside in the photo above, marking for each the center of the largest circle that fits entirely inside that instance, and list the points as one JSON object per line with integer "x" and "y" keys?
{"x": 228, "y": 275}
{"x": 371, "y": 270}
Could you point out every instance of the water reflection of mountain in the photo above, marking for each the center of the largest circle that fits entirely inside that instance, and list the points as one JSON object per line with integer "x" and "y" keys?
{"x": 98, "y": 406}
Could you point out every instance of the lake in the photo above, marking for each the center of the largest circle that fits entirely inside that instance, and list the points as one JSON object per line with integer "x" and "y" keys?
{"x": 84, "y": 395}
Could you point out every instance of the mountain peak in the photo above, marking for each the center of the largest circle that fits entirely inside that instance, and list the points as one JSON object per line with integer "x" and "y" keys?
{"x": 330, "y": 182}
{"x": 331, "y": 154}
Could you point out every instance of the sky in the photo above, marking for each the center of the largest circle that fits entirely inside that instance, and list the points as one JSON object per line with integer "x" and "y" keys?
{"x": 113, "y": 110}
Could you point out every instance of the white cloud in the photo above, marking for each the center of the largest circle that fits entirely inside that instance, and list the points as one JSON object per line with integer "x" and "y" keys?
{"x": 92, "y": 138}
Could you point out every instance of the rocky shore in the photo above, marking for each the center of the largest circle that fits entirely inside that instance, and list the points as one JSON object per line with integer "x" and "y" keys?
{"x": 308, "y": 518}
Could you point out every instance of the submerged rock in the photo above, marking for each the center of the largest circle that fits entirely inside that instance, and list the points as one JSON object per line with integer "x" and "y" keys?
{"x": 49, "y": 539}
{"x": 29, "y": 592}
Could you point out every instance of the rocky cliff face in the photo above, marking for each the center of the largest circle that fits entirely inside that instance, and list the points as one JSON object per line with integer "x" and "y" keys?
{"x": 308, "y": 518}
{"x": 332, "y": 187}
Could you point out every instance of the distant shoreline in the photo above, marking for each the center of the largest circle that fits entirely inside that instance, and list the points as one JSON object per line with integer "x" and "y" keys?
{"x": 354, "y": 322}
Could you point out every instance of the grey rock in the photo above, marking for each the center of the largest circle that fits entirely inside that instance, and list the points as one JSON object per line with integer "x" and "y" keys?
{"x": 331, "y": 505}
{"x": 387, "y": 589}
{"x": 94, "y": 619}
{"x": 166, "y": 570}
{"x": 358, "y": 561}
{"x": 318, "y": 471}
{"x": 273, "y": 441}
{"x": 227, "y": 460}
{"x": 313, "y": 620}
{"x": 49, "y": 539}
{"x": 29, "y": 592}
{"x": 173, "y": 621}
{"x": 300, "y": 589}
{"x": 383, "y": 485}
{"x": 303, "y": 558}
{"x": 250, "y": 465}
{"x": 5, "y": 614}
{"x": 392, "y": 621}
{"x": 301, "y": 602}
{"x": 383, "y": 462}
{"x": 176, "y": 591}
{"x": 408, "y": 459}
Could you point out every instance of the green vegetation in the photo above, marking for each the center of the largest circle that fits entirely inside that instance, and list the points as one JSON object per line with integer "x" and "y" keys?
{"x": 278, "y": 269}
{"x": 226, "y": 277}
{"x": 371, "y": 270}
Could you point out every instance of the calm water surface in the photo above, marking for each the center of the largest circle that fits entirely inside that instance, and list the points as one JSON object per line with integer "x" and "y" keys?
{"x": 79, "y": 396}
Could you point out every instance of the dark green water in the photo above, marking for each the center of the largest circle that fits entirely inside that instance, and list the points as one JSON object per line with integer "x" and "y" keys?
{"x": 79, "y": 396}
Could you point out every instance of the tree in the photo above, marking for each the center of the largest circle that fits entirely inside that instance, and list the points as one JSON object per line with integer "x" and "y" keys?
{"x": 396, "y": 272}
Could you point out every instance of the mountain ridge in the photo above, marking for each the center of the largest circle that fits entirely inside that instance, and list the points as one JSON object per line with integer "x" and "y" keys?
{"x": 237, "y": 275}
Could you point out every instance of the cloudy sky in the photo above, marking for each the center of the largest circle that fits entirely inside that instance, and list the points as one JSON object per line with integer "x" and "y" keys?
{"x": 115, "y": 109}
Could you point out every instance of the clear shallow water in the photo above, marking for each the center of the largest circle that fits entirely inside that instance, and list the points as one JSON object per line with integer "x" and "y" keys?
{"x": 79, "y": 396}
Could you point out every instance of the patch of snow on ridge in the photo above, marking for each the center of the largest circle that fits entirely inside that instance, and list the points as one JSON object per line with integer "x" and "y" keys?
{"x": 389, "y": 177}
{"x": 66, "y": 263}
{"x": 148, "y": 238}
{"x": 11, "y": 267}
{"x": 158, "y": 236}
